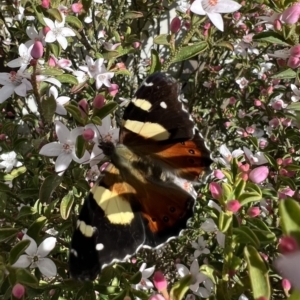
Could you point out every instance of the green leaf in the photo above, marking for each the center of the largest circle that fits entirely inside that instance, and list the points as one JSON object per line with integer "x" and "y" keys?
{"x": 133, "y": 15}
{"x": 105, "y": 110}
{"x": 48, "y": 186}
{"x": 67, "y": 78}
{"x": 35, "y": 228}
{"x": 39, "y": 15}
{"x": 270, "y": 37}
{"x": 54, "y": 12}
{"x": 188, "y": 52}
{"x": 74, "y": 21}
{"x": 49, "y": 107}
{"x": 258, "y": 273}
{"x": 295, "y": 295}
{"x": 66, "y": 205}
{"x": 294, "y": 106}
{"x": 224, "y": 221}
{"x": 181, "y": 287}
{"x": 225, "y": 44}
{"x": 162, "y": 39}
{"x": 265, "y": 237}
{"x": 26, "y": 211}
{"x": 286, "y": 74}
{"x": 55, "y": 49}
{"x": 289, "y": 211}
{"x": 135, "y": 278}
{"x": 25, "y": 277}
{"x": 74, "y": 112}
{"x": 7, "y": 233}
{"x": 51, "y": 72}
{"x": 155, "y": 62}
{"x": 227, "y": 191}
{"x": 15, "y": 173}
{"x": 17, "y": 250}
{"x": 4, "y": 187}
{"x": 239, "y": 189}
{"x": 244, "y": 235}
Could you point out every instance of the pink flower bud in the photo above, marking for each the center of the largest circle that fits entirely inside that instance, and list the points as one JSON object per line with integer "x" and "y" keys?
{"x": 293, "y": 62}
{"x": 295, "y": 51}
{"x": 37, "y": 50}
{"x": 113, "y": 89}
{"x": 277, "y": 24}
{"x": 160, "y": 281}
{"x": 259, "y": 174}
{"x": 83, "y": 107}
{"x": 76, "y": 7}
{"x": 233, "y": 206}
{"x": 88, "y": 134}
{"x": 286, "y": 192}
{"x": 2, "y": 137}
{"x": 286, "y": 284}
{"x": 45, "y": 3}
{"x": 133, "y": 260}
{"x": 46, "y": 30}
{"x": 245, "y": 176}
{"x": 253, "y": 212}
{"x": 245, "y": 167}
{"x": 51, "y": 62}
{"x": 99, "y": 101}
{"x": 279, "y": 161}
{"x": 18, "y": 291}
{"x": 287, "y": 244}
{"x": 291, "y": 14}
{"x": 219, "y": 174}
{"x": 136, "y": 45}
{"x": 287, "y": 161}
{"x": 287, "y": 122}
{"x": 175, "y": 25}
{"x": 216, "y": 190}
{"x": 64, "y": 63}
{"x": 237, "y": 15}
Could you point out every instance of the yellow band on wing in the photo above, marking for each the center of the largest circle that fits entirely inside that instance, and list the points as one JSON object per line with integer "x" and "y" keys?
{"x": 142, "y": 104}
{"x": 116, "y": 208}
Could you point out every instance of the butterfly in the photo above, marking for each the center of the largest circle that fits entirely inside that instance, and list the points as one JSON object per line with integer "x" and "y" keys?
{"x": 145, "y": 196}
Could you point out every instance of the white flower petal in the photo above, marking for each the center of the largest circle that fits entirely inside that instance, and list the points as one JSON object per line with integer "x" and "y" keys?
{"x": 53, "y": 91}
{"x": 21, "y": 90}
{"x": 63, "y": 133}
{"x": 46, "y": 246}
{"x": 194, "y": 269}
{"x": 84, "y": 159}
{"x": 32, "y": 248}
{"x": 217, "y": 20}
{"x": 182, "y": 270}
{"x": 62, "y": 162}
{"x": 47, "y": 267}
{"x": 148, "y": 272}
{"x": 226, "y": 6}
{"x": 51, "y": 149}
{"x": 5, "y": 92}
{"x": 15, "y": 63}
{"x": 49, "y": 23}
{"x": 197, "y": 8}
{"x": 50, "y": 37}
{"x": 23, "y": 262}
{"x": 67, "y": 32}
{"x": 62, "y": 41}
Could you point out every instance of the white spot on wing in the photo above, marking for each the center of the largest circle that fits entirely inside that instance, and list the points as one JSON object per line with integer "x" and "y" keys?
{"x": 99, "y": 247}
{"x": 148, "y": 83}
{"x": 163, "y": 104}
{"x": 74, "y": 252}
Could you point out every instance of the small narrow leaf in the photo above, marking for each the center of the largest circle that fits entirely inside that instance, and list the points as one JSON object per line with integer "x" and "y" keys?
{"x": 188, "y": 52}
{"x": 67, "y": 78}
{"x": 133, "y": 15}
{"x": 54, "y": 12}
{"x": 286, "y": 74}
{"x": 162, "y": 39}
{"x": 258, "y": 273}
{"x": 49, "y": 185}
{"x": 35, "y": 228}
{"x": 74, "y": 21}
{"x": 155, "y": 62}
{"x": 105, "y": 110}
{"x": 6, "y": 233}
{"x": 270, "y": 37}
{"x": 17, "y": 250}
{"x": 66, "y": 205}
{"x": 25, "y": 277}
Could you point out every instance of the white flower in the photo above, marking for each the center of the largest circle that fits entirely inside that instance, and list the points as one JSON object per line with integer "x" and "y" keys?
{"x": 242, "y": 82}
{"x": 213, "y": 9}
{"x": 13, "y": 82}
{"x": 24, "y": 59}
{"x": 255, "y": 159}
{"x": 93, "y": 173}
{"x": 65, "y": 149}
{"x": 105, "y": 133}
{"x": 40, "y": 78}
{"x": 269, "y": 19}
{"x": 58, "y": 32}
{"x": 104, "y": 78}
{"x": 21, "y": 15}
{"x": 264, "y": 67}
{"x": 296, "y": 91}
{"x": 145, "y": 283}
{"x": 35, "y": 257}
{"x": 31, "y": 104}
{"x": 209, "y": 225}
{"x": 200, "y": 247}
{"x": 60, "y": 101}
{"x": 288, "y": 265}
{"x": 227, "y": 156}
{"x": 183, "y": 6}
{"x": 9, "y": 160}
{"x": 197, "y": 278}
{"x": 34, "y": 36}
{"x": 283, "y": 53}
{"x": 93, "y": 68}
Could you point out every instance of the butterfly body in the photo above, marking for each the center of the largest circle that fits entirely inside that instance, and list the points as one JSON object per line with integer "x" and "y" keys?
{"x": 144, "y": 197}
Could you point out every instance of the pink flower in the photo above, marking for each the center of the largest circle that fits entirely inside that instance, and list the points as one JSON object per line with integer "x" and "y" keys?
{"x": 175, "y": 25}
{"x": 77, "y": 7}
{"x": 37, "y": 50}
{"x": 160, "y": 281}
{"x": 233, "y": 206}
{"x": 253, "y": 212}
{"x": 286, "y": 192}
{"x": 291, "y": 14}
{"x": 293, "y": 62}
{"x": 157, "y": 297}
{"x": 18, "y": 291}
{"x": 113, "y": 89}
{"x": 287, "y": 244}
{"x": 88, "y": 134}
{"x": 136, "y": 45}
{"x": 286, "y": 284}
{"x": 258, "y": 175}
{"x": 219, "y": 174}
{"x": 99, "y": 101}
{"x": 216, "y": 190}
{"x": 295, "y": 51}
{"x": 51, "y": 62}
